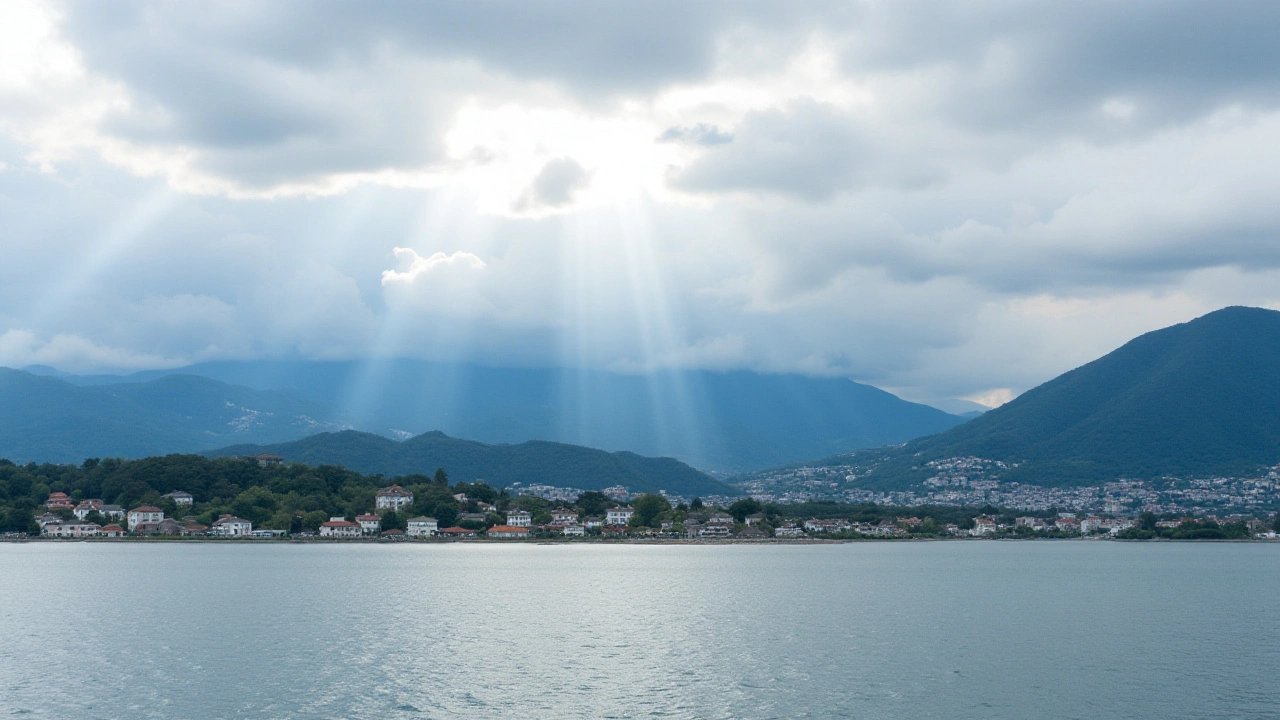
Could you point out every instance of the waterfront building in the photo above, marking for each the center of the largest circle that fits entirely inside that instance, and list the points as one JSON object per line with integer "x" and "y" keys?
{"x": 422, "y": 526}
{"x": 84, "y": 507}
{"x": 112, "y": 530}
{"x": 58, "y": 501}
{"x": 457, "y": 532}
{"x": 369, "y": 524}
{"x": 144, "y": 514}
{"x": 574, "y": 530}
{"x": 564, "y": 516}
{"x": 508, "y": 531}
{"x": 115, "y": 512}
{"x": 340, "y": 527}
{"x": 231, "y": 526}
{"x": 519, "y": 518}
{"x": 70, "y": 529}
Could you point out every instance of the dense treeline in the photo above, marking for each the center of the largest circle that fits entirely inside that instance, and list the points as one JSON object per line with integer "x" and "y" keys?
{"x": 291, "y": 497}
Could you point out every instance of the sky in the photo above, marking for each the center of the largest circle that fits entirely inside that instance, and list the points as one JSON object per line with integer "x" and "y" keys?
{"x": 943, "y": 199}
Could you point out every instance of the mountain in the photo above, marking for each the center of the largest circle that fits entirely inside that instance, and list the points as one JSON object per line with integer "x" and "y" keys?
{"x": 528, "y": 463}
{"x": 1197, "y": 399}
{"x": 47, "y": 419}
{"x": 718, "y": 421}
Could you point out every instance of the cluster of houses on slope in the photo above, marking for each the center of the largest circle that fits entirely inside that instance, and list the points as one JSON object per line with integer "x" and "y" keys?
{"x": 142, "y": 520}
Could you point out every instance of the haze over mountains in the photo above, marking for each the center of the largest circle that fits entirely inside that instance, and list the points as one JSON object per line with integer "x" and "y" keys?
{"x": 1197, "y": 399}
{"x": 725, "y": 422}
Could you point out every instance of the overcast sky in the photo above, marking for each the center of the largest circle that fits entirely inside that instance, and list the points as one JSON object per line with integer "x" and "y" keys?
{"x": 942, "y": 199}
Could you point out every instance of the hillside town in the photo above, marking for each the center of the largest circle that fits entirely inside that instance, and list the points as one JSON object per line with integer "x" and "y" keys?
{"x": 974, "y": 482}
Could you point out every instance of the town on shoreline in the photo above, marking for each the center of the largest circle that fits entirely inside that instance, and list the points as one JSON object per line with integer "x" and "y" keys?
{"x": 264, "y": 498}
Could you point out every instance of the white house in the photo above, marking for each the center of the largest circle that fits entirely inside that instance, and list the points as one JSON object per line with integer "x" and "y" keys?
{"x": 574, "y": 530}
{"x": 563, "y": 516}
{"x": 983, "y": 526}
{"x": 714, "y": 530}
{"x": 82, "y": 510}
{"x": 370, "y": 524}
{"x": 231, "y": 526}
{"x": 180, "y": 497}
{"x": 115, "y": 512}
{"x": 422, "y": 527}
{"x": 619, "y": 515}
{"x": 340, "y": 527}
{"x": 754, "y": 518}
{"x": 392, "y": 498}
{"x": 70, "y": 529}
{"x": 720, "y": 518}
{"x": 519, "y": 518}
{"x": 144, "y": 514}
{"x": 508, "y": 531}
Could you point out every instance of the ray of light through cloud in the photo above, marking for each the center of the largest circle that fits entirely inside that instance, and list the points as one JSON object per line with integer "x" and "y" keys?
{"x": 946, "y": 200}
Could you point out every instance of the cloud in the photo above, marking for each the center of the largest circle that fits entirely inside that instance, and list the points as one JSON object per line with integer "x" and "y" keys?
{"x": 419, "y": 266}
{"x": 71, "y": 353}
{"x": 700, "y": 134}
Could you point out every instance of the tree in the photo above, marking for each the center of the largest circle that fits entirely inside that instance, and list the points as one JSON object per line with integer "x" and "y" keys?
{"x": 648, "y": 507}
{"x": 593, "y": 502}
{"x": 696, "y": 504}
{"x": 1147, "y": 521}
{"x": 442, "y": 477}
{"x": 744, "y": 507}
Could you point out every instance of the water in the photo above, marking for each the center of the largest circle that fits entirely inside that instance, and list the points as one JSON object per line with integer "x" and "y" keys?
{"x": 868, "y": 630}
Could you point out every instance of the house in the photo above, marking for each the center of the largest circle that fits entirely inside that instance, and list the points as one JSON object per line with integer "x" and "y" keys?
{"x": 58, "y": 501}
{"x": 593, "y": 522}
{"x": 422, "y": 526}
{"x": 70, "y": 529}
{"x": 715, "y": 530}
{"x": 619, "y": 515}
{"x": 194, "y": 529}
{"x": 180, "y": 497}
{"x": 112, "y": 530}
{"x": 115, "y": 512}
{"x": 268, "y": 534}
{"x": 692, "y": 529}
{"x": 720, "y": 518}
{"x": 983, "y": 526}
{"x": 460, "y": 497}
{"x": 752, "y": 533}
{"x": 392, "y": 498}
{"x": 339, "y": 527}
{"x": 369, "y": 524}
{"x": 563, "y": 516}
{"x": 231, "y": 526}
{"x": 393, "y": 534}
{"x": 168, "y": 526}
{"x": 471, "y": 517}
{"x": 82, "y": 510}
{"x": 144, "y": 514}
{"x": 519, "y": 518}
{"x": 146, "y": 528}
{"x": 754, "y": 518}
{"x": 267, "y": 459}
{"x": 456, "y": 532}
{"x": 574, "y": 530}
{"x": 788, "y": 531}
{"x": 508, "y": 531}
{"x": 47, "y": 518}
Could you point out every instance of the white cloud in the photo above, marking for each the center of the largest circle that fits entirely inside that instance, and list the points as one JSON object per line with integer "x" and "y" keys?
{"x": 71, "y": 353}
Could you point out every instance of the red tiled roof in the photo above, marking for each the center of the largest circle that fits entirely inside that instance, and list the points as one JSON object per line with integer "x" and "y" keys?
{"x": 112, "y": 528}
{"x": 508, "y": 528}
{"x": 145, "y": 508}
{"x": 456, "y": 531}
{"x": 369, "y": 517}
{"x": 338, "y": 523}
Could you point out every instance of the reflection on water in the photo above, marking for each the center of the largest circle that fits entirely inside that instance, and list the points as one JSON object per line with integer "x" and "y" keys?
{"x": 870, "y": 630}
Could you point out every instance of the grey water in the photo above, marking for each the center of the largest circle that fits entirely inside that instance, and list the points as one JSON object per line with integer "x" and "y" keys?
{"x": 863, "y": 630}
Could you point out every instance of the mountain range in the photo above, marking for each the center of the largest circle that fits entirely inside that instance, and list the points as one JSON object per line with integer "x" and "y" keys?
{"x": 717, "y": 421}
{"x": 1199, "y": 399}
{"x": 527, "y": 463}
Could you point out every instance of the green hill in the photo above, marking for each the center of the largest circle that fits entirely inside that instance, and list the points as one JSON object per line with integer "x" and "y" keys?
{"x": 1197, "y": 399}
{"x": 528, "y": 463}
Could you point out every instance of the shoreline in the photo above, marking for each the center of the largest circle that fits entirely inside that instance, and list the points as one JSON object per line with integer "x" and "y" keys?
{"x": 607, "y": 541}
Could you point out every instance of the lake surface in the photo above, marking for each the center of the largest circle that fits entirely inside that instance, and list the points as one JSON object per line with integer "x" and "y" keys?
{"x": 863, "y": 630}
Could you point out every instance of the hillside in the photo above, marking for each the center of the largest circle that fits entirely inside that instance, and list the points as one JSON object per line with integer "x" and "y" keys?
{"x": 721, "y": 421}
{"x": 45, "y": 419}
{"x": 533, "y": 462}
{"x": 1197, "y": 399}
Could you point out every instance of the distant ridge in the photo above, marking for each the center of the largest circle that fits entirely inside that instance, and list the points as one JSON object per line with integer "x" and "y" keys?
{"x": 719, "y": 421}
{"x": 1197, "y": 399}
{"x": 46, "y": 419}
{"x": 533, "y": 462}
